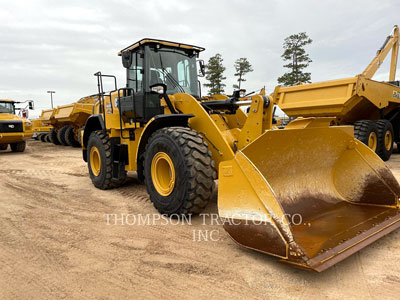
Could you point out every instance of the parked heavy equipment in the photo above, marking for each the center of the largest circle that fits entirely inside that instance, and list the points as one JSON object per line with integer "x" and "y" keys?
{"x": 68, "y": 120}
{"x": 14, "y": 129}
{"x": 342, "y": 192}
{"x": 372, "y": 107}
{"x": 40, "y": 128}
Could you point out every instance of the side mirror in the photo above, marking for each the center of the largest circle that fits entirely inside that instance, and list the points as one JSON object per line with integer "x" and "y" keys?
{"x": 159, "y": 88}
{"x": 126, "y": 59}
{"x": 202, "y": 68}
{"x": 31, "y": 105}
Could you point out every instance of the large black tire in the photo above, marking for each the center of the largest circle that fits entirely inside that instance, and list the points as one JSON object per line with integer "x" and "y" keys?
{"x": 385, "y": 139}
{"x": 70, "y": 137}
{"x": 3, "y": 147}
{"x": 18, "y": 147}
{"x": 99, "y": 140}
{"x": 53, "y": 137}
{"x": 47, "y": 138}
{"x": 364, "y": 130}
{"x": 193, "y": 167}
{"x": 42, "y": 137}
{"x": 61, "y": 135}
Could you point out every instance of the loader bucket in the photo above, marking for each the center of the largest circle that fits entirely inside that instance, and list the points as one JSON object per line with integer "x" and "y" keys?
{"x": 310, "y": 196}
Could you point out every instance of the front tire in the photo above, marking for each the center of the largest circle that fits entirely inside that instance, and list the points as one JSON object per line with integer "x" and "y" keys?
{"x": 3, "y": 147}
{"x": 18, "y": 147}
{"x": 42, "y": 137}
{"x": 53, "y": 137}
{"x": 61, "y": 135}
{"x": 70, "y": 137}
{"x": 100, "y": 161}
{"x": 179, "y": 172}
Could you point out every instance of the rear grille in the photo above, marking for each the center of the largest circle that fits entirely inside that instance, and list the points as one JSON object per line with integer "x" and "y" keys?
{"x": 11, "y": 126}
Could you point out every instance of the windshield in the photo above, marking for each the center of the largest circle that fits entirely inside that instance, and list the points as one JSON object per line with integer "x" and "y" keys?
{"x": 7, "y": 108}
{"x": 174, "y": 68}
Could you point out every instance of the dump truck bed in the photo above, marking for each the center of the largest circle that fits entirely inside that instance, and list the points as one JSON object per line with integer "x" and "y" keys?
{"x": 348, "y": 99}
{"x": 76, "y": 113}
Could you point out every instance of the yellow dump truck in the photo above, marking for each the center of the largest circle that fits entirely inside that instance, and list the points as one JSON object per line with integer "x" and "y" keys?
{"x": 14, "y": 129}
{"x": 40, "y": 128}
{"x": 310, "y": 194}
{"x": 373, "y": 107}
{"x": 68, "y": 120}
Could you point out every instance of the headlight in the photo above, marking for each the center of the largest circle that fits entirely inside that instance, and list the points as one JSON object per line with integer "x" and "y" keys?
{"x": 28, "y": 123}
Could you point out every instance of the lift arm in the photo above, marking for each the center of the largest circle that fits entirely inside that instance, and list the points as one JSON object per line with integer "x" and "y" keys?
{"x": 391, "y": 43}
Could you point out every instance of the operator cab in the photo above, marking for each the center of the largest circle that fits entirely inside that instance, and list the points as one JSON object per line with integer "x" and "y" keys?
{"x": 154, "y": 67}
{"x": 7, "y": 107}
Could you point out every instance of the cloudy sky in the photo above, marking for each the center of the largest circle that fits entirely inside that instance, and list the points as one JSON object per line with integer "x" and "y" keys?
{"x": 58, "y": 45}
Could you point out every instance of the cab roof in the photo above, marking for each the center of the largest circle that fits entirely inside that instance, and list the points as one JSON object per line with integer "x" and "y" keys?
{"x": 7, "y": 100}
{"x": 162, "y": 42}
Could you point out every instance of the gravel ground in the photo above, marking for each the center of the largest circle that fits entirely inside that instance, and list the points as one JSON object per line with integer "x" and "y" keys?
{"x": 57, "y": 242}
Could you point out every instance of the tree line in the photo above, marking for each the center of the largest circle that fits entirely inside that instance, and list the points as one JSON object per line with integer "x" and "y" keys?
{"x": 294, "y": 54}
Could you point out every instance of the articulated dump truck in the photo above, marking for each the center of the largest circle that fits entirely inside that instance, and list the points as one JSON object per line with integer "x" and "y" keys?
{"x": 14, "y": 130}
{"x": 373, "y": 107}
{"x": 310, "y": 194}
{"x": 40, "y": 128}
{"x": 67, "y": 121}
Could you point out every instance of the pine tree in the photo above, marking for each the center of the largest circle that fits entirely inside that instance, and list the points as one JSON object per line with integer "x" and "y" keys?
{"x": 242, "y": 67}
{"x": 299, "y": 60}
{"x": 214, "y": 74}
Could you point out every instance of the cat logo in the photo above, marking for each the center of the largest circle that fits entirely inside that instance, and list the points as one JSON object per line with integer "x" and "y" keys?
{"x": 396, "y": 94}
{"x": 11, "y": 126}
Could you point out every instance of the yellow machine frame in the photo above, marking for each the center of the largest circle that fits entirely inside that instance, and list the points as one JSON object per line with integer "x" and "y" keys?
{"x": 265, "y": 175}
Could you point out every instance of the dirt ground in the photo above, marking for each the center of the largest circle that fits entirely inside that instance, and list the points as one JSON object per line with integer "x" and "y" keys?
{"x": 56, "y": 243}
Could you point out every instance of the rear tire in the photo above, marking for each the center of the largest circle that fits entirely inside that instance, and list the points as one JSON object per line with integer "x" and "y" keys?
{"x": 3, "y": 147}
{"x": 61, "y": 135}
{"x": 385, "y": 139}
{"x": 42, "y": 137}
{"x": 18, "y": 147}
{"x": 179, "y": 172}
{"x": 366, "y": 131}
{"x": 47, "y": 138}
{"x": 70, "y": 137}
{"x": 100, "y": 161}
{"x": 53, "y": 137}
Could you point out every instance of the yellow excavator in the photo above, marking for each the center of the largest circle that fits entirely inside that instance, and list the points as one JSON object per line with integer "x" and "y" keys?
{"x": 310, "y": 194}
{"x": 373, "y": 107}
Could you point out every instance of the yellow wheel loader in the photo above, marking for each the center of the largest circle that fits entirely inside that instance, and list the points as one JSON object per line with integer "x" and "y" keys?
{"x": 309, "y": 194}
{"x": 372, "y": 107}
{"x": 15, "y": 129}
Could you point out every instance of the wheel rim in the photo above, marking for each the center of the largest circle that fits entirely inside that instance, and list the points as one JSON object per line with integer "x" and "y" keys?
{"x": 372, "y": 141}
{"x": 388, "y": 140}
{"x": 163, "y": 173}
{"x": 95, "y": 161}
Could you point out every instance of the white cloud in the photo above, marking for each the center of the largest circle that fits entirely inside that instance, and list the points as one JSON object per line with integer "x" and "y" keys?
{"x": 59, "y": 45}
